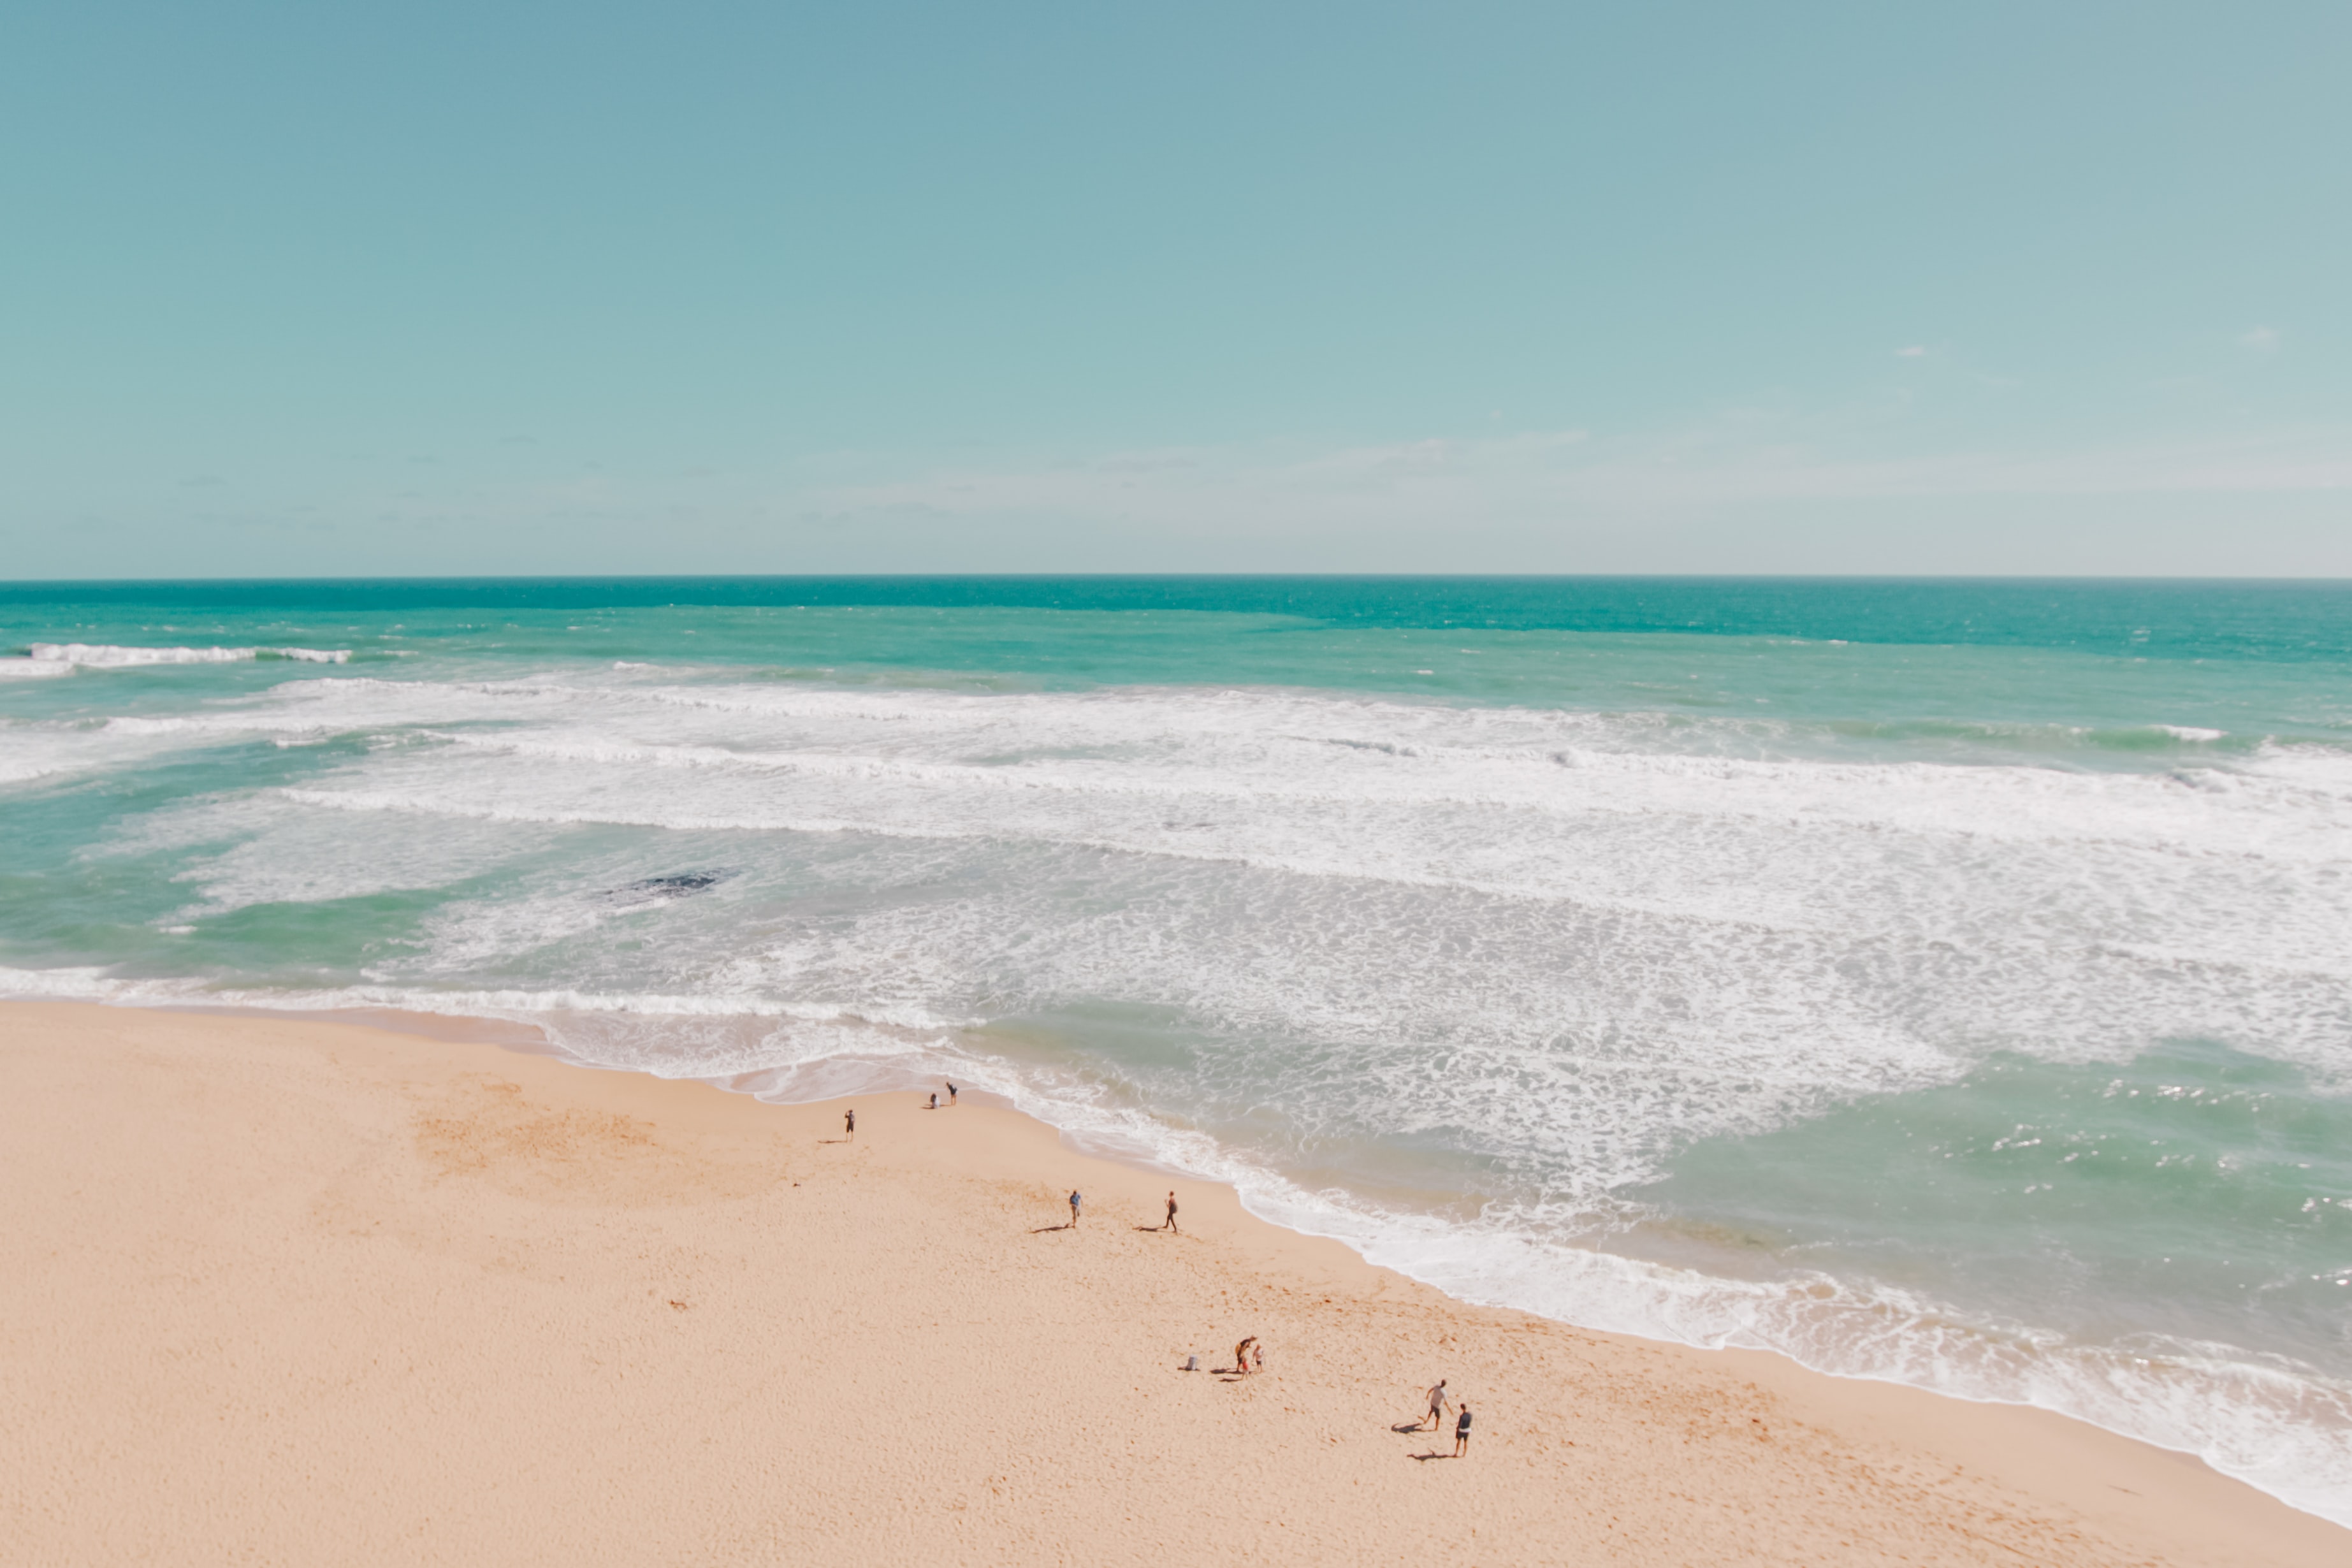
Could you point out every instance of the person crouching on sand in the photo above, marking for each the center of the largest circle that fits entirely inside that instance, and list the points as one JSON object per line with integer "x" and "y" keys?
{"x": 1241, "y": 1355}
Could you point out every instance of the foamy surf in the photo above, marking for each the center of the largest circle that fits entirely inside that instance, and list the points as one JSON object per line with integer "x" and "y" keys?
{"x": 106, "y": 655}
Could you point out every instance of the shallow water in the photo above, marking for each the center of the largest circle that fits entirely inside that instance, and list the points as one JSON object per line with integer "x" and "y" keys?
{"x": 1940, "y": 982}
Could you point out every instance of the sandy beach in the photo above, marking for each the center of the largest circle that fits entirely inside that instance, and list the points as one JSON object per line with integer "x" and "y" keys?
{"x": 291, "y": 1291}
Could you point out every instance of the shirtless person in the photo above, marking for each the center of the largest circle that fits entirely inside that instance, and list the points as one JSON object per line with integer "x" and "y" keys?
{"x": 1438, "y": 1403}
{"x": 1242, "y": 1356}
{"x": 1169, "y": 1222}
{"x": 849, "y": 1123}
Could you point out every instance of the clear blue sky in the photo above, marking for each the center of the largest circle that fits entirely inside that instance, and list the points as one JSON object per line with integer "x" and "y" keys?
{"x": 498, "y": 287}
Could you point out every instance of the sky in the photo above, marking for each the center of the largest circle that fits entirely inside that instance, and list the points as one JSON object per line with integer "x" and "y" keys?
{"x": 499, "y": 287}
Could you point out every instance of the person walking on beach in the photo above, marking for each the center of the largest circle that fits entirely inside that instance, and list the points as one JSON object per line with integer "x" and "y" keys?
{"x": 1462, "y": 1432}
{"x": 1438, "y": 1403}
{"x": 1074, "y": 1201}
{"x": 849, "y": 1124}
{"x": 1169, "y": 1222}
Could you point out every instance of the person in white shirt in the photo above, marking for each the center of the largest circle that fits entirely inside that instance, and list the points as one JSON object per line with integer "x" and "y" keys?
{"x": 1438, "y": 1403}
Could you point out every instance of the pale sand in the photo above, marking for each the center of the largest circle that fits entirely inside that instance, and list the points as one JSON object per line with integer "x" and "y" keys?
{"x": 296, "y": 1292}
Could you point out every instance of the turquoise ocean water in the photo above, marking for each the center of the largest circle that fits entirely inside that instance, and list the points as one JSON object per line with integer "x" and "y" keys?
{"x": 1944, "y": 982}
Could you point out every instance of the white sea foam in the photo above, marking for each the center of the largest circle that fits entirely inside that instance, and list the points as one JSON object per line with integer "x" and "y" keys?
{"x": 1996, "y": 903}
{"x": 57, "y": 749}
{"x": 34, "y": 669}
{"x": 105, "y": 655}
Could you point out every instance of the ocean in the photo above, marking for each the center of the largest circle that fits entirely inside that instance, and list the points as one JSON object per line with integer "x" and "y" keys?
{"x": 1942, "y": 981}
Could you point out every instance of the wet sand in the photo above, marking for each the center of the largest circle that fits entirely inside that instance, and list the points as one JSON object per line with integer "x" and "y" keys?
{"x": 289, "y": 1290}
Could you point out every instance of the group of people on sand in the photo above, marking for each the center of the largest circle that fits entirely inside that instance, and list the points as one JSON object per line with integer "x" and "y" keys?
{"x": 1438, "y": 1401}
{"x": 1077, "y": 1202}
{"x": 849, "y": 1117}
{"x": 1249, "y": 1357}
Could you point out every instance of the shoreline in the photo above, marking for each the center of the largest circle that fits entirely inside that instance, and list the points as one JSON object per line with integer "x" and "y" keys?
{"x": 436, "y": 1221}
{"x": 533, "y": 1039}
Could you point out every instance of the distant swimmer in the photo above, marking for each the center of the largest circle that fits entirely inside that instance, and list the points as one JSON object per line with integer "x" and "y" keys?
{"x": 1169, "y": 1222}
{"x": 1438, "y": 1403}
{"x": 849, "y": 1123}
{"x": 1074, "y": 1201}
{"x": 1462, "y": 1432}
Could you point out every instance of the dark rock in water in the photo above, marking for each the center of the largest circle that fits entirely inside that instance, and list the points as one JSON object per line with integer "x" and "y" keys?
{"x": 677, "y": 885}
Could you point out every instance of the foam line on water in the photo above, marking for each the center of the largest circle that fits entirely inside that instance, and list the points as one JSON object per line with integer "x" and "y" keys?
{"x": 94, "y": 984}
{"x": 109, "y": 655}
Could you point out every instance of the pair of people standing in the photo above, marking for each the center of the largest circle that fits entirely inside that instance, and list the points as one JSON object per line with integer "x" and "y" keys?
{"x": 1437, "y": 1404}
{"x": 1168, "y": 1224}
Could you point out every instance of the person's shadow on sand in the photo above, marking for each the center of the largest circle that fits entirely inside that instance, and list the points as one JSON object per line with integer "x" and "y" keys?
{"x": 1432, "y": 1453}
{"x": 1049, "y": 1229}
{"x": 1407, "y": 1426}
